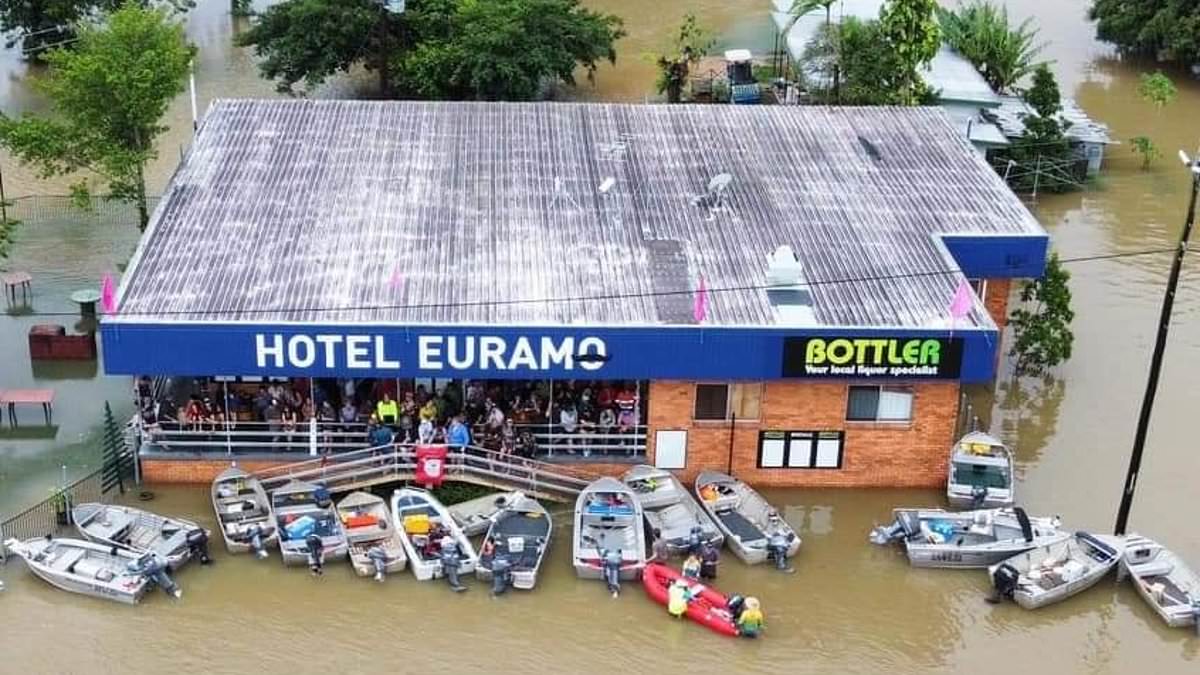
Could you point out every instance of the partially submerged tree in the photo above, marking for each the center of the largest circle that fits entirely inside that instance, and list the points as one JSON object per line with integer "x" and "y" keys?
{"x": 505, "y": 49}
{"x": 1158, "y": 90}
{"x": 108, "y": 97}
{"x": 1042, "y": 336}
{"x": 1042, "y": 155}
{"x": 911, "y": 30}
{"x": 691, "y": 43}
{"x": 41, "y": 25}
{"x": 980, "y": 31}
{"x": 1168, "y": 30}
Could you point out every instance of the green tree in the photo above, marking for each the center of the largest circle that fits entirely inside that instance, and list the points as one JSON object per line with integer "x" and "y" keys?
{"x": 39, "y": 25}
{"x": 1001, "y": 53}
{"x": 1042, "y": 336}
{"x": 1164, "y": 29}
{"x": 849, "y": 56}
{"x": 1158, "y": 90}
{"x": 8, "y": 228}
{"x": 911, "y": 30}
{"x": 691, "y": 43}
{"x": 108, "y": 96}
{"x": 311, "y": 40}
{"x": 1043, "y": 154}
{"x": 506, "y": 49}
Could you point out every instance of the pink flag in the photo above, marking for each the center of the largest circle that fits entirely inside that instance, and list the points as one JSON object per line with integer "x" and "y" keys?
{"x": 700, "y": 303}
{"x": 108, "y": 295}
{"x": 396, "y": 282}
{"x": 963, "y": 300}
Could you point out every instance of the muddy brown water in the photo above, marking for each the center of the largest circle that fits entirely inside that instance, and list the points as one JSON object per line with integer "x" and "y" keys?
{"x": 851, "y": 607}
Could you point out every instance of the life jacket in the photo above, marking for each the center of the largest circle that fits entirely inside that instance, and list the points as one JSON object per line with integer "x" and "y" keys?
{"x": 751, "y": 620}
{"x": 677, "y": 600}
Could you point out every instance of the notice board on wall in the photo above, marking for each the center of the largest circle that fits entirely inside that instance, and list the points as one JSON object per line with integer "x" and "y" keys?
{"x": 670, "y": 449}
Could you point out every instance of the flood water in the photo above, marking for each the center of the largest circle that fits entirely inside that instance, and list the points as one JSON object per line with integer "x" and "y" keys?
{"x": 851, "y": 607}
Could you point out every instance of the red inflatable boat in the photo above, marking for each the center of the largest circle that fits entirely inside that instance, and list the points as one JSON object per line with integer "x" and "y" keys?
{"x": 707, "y": 607}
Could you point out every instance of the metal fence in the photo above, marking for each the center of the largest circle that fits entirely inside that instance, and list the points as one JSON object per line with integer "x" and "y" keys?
{"x": 52, "y": 515}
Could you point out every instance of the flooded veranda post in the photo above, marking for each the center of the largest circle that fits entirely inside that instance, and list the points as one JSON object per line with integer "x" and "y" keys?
{"x": 445, "y": 316}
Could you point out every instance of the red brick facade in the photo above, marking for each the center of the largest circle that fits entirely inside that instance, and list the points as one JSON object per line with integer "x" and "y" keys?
{"x": 996, "y": 300}
{"x": 875, "y": 454}
{"x": 196, "y": 471}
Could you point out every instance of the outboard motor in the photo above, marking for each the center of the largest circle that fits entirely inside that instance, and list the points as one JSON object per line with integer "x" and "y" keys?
{"x": 450, "y": 562}
{"x": 611, "y": 568}
{"x": 1004, "y": 581}
{"x": 979, "y": 495}
{"x": 883, "y": 535}
{"x": 316, "y": 554}
{"x": 777, "y": 547}
{"x": 735, "y": 604}
{"x": 1196, "y": 615}
{"x": 254, "y": 534}
{"x": 197, "y": 543}
{"x": 154, "y": 568}
{"x": 379, "y": 558}
{"x": 501, "y": 574}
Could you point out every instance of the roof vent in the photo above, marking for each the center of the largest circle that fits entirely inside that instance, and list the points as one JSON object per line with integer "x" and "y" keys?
{"x": 788, "y": 290}
{"x": 872, "y": 151}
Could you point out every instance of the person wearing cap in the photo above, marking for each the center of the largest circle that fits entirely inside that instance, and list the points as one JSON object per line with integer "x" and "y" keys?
{"x": 751, "y": 621}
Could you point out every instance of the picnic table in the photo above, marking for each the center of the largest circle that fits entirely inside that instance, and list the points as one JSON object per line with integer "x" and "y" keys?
{"x": 11, "y": 397}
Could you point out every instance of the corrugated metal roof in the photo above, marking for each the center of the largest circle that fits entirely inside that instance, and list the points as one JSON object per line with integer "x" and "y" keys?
{"x": 1010, "y": 116}
{"x": 310, "y": 211}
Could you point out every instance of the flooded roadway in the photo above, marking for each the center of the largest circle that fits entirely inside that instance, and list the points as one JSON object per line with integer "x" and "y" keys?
{"x": 851, "y": 607}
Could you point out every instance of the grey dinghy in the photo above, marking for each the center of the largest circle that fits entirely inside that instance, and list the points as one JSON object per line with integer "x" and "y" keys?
{"x": 1055, "y": 572}
{"x": 667, "y": 506}
{"x": 981, "y": 473}
{"x": 474, "y": 516}
{"x": 966, "y": 539}
{"x": 521, "y": 534}
{"x": 95, "y": 570}
{"x": 748, "y": 521}
{"x": 175, "y": 539}
{"x": 243, "y": 512}
{"x": 608, "y": 519}
{"x": 376, "y": 547}
{"x": 1165, "y": 582}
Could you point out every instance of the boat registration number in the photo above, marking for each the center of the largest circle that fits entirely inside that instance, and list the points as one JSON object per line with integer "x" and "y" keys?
{"x": 947, "y": 556}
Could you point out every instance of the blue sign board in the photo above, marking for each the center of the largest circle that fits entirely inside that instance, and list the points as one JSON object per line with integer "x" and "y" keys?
{"x": 569, "y": 352}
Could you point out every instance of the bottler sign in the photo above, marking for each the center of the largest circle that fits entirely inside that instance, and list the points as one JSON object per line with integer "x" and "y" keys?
{"x": 874, "y": 357}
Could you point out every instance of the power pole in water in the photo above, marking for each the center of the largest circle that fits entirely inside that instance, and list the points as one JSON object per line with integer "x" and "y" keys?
{"x": 1160, "y": 344}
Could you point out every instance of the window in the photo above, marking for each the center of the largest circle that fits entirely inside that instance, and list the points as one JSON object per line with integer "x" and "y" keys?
{"x": 800, "y": 450}
{"x": 728, "y": 401}
{"x": 712, "y": 401}
{"x": 879, "y": 404}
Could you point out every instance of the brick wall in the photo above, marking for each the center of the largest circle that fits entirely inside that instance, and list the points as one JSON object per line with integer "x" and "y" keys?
{"x": 874, "y": 455}
{"x": 996, "y": 300}
{"x": 196, "y": 471}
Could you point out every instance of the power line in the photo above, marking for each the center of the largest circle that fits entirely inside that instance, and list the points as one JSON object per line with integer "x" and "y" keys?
{"x": 592, "y": 298}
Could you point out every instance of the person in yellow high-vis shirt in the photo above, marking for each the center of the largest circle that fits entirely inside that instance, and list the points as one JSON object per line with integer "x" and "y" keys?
{"x": 387, "y": 410}
{"x": 678, "y": 596}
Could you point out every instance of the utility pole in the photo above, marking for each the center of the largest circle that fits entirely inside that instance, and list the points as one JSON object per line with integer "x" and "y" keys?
{"x": 1160, "y": 344}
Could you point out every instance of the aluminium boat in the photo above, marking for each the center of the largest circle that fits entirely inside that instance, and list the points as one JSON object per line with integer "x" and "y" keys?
{"x": 474, "y": 516}
{"x": 981, "y": 473}
{"x": 422, "y": 521}
{"x": 669, "y": 508}
{"x": 299, "y": 514}
{"x": 174, "y": 539}
{"x": 966, "y": 539}
{"x": 375, "y": 546}
{"x": 749, "y": 522}
{"x": 244, "y": 513}
{"x": 1055, "y": 572}
{"x": 1164, "y": 580}
{"x": 608, "y": 520}
{"x": 88, "y": 568}
{"x": 520, "y": 535}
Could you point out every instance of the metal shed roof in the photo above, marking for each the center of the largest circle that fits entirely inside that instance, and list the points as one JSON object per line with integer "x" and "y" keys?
{"x": 490, "y": 213}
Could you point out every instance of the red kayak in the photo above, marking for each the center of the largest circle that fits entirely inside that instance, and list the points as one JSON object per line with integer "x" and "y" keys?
{"x": 707, "y": 607}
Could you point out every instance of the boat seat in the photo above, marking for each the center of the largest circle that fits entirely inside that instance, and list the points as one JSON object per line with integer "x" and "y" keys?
{"x": 90, "y": 568}
{"x": 65, "y": 560}
{"x": 1154, "y": 569}
{"x": 110, "y": 524}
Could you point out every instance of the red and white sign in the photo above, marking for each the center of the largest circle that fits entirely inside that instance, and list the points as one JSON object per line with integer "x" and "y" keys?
{"x": 431, "y": 465}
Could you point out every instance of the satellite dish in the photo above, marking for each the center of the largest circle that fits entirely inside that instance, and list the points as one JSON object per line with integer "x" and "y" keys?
{"x": 719, "y": 182}
{"x": 607, "y": 184}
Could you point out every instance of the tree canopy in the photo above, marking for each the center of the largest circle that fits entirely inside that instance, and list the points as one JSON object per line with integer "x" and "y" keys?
{"x": 1042, "y": 336}
{"x": 108, "y": 96}
{"x": 1043, "y": 154}
{"x": 854, "y": 56}
{"x": 980, "y": 31}
{"x": 1166, "y": 29}
{"x": 440, "y": 49}
{"x": 692, "y": 42}
{"x": 44, "y": 24}
{"x": 911, "y": 31}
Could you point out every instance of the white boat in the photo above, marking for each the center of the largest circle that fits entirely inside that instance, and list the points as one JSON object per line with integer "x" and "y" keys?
{"x": 981, "y": 473}
{"x": 608, "y": 519}
{"x": 1048, "y": 574}
{"x": 297, "y": 514}
{"x": 521, "y": 536}
{"x": 1165, "y": 582}
{"x": 417, "y": 515}
{"x": 669, "y": 508}
{"x": 243, "y": 512}
{"x": 474, "y": 516}
{"x": 749, "y": 522}
{"x": 371, "y": 534}
{"x": 88, "y": 568}
{"x": 175, "y": 539}
{"x": 967, "y": 539}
